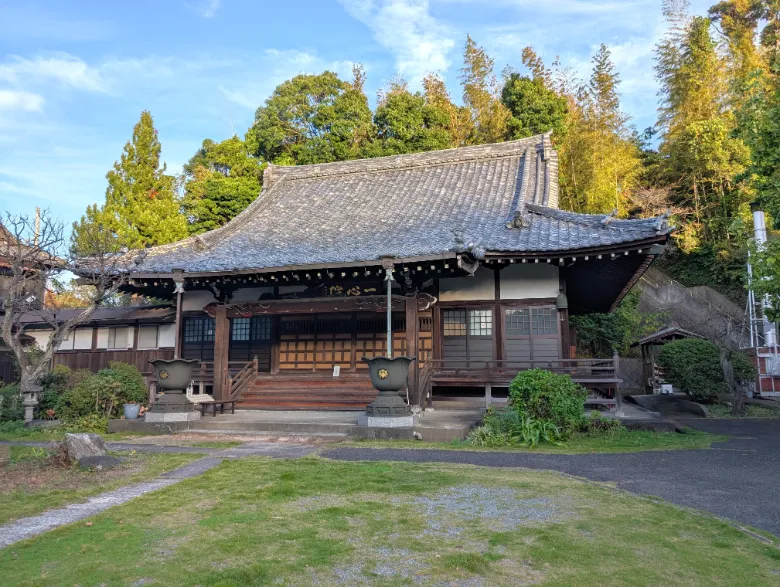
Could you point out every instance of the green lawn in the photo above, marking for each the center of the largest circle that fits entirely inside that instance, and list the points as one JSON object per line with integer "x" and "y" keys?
{"x": 752, "y": 411}
{"x": 623, "y": 441}
{"x": 31, "y": 484}
{"x": 311, "y": 521}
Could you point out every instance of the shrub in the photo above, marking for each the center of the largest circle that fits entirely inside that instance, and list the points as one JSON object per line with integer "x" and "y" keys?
{"x": 597, "y": 425}
{"x": 548, "y": 396}
{"x": 103, "y": 393}
{"x": 11, "y": 404}
{"x": 693, "y": 366}
{"x": 91, "y": 423}
{"x": 58, "y": 381}
{"x": 511, "y": 428}
{"x": 132, "y": 387}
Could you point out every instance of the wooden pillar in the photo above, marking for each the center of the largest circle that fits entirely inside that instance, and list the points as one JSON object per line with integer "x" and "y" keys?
{"x": 221, "y": 345}
{"x": 178, "y": 326}
{"x": 412, "y": 337}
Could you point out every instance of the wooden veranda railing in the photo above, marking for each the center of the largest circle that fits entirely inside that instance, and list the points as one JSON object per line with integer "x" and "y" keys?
{"x": 240, "y": 381}
{"x": 595, "y": 369}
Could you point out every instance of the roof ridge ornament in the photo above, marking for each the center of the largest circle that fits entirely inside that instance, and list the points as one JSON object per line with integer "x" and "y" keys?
{"x": 608, "y": 217}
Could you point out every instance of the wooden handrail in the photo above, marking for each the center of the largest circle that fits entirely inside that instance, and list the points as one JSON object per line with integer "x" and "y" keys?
{"x": 237, "y": 384}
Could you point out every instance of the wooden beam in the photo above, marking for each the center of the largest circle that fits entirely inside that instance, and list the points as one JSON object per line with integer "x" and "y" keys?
{"x": 221, "y": 346}
{"x": 412, "y": 338}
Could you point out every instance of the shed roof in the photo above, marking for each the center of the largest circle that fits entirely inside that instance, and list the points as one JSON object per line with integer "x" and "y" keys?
{"x": 499, "y": 197}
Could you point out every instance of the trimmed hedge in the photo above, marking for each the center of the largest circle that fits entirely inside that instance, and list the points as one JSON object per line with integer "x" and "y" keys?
{"x": 693, "y": 366}
{"x": 547, "y": 396}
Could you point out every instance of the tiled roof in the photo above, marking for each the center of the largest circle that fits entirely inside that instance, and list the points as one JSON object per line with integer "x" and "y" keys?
{"x": 151, "y": 314}
{"x": 498, "y": 197}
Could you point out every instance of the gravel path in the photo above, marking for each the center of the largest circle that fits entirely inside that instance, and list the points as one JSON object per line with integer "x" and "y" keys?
{"x": 736, "y": 479}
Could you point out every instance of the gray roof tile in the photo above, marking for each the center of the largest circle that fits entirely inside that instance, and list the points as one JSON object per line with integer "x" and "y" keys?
{"x": 422, "y": 204}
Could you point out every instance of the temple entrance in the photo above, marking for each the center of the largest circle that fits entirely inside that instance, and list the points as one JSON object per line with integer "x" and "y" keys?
{"x": 252, "y": 338}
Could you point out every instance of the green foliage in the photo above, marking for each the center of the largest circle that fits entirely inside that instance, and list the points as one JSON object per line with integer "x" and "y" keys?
{"x": 405, "y": 123}
{"x": 535, "y": 108}
{"x": 222, "y": 179}
{"x": 96, "y": 423}
{"x": 482, "y": 96}
{"x": 141, "y": 206}
{"x": 598, "y": 335}
{"x": 133, "y": 389}
{"x": 11, "y": 406}
{"x": 549, "y": 397}
{"x": 312, "y": 119}
{"x": 700, "y": 152}
{"x": 722, "y": 268}
{"x": 510, "y": 428}
{"x": 599, "y": 157}
{"x": 103, "y": 394}
{"x": 597, "y": 425}
{"x": 693, "y": 366}
{"x": 56, "y": 382}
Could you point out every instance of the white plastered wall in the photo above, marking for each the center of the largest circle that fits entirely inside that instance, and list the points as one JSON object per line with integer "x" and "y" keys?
{"x": 194, "y": 301}
{"x": 481, "y": 286}
{"x": 529, "y": 280}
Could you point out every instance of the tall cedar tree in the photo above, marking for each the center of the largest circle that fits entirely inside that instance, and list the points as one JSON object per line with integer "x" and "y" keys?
{"x": 221, "y": 180}
{"x": 313, "y": 119}
{"x": 141, "y": 207}
{"x": 407, "y": 123}
{"x": 482, "y": 96}
{"x": 700, "y": 155}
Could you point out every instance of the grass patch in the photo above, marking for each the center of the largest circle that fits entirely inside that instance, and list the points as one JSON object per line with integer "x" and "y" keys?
{"x": 614, "y": 442}
{"x": 751, "y": 411}
{"x": 32, "y": 483}
{"x": 216, "y": 444}
{"x": 17, "y": 431}
{"x": 313, "y": 521}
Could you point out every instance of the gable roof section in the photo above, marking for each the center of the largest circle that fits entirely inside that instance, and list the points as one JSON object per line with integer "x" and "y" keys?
{"x": 497, "y": 197}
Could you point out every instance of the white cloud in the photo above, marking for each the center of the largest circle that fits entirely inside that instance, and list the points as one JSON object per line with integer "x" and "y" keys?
{"x": 206, "y": 8}
{"x": 11, "y": 100}
{"x": 418, "y": 41}
{"x": 67, "y": 70}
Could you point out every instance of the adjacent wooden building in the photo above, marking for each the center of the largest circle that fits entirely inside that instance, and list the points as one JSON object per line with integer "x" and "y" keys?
{"x": 281, "y": 304}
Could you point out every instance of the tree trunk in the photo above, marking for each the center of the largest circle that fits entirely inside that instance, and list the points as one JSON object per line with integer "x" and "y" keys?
{"x": 736, "y": 392}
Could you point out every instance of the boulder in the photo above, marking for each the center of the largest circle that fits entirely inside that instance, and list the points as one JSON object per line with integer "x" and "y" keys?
{"x": 99, "y": 462}
{"x": 78, "y": 446}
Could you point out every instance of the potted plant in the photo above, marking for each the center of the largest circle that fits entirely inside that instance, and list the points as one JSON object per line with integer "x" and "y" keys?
{"x": 132, "y": 410}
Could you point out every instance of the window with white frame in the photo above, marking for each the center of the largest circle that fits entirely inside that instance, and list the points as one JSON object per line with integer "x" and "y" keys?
{"x": 118, "y": 338}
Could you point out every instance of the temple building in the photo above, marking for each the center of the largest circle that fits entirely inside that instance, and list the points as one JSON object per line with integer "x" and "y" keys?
{"x": 281, "y": 304}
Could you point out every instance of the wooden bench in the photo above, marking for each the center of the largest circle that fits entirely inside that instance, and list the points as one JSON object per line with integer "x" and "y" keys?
{"x": 216, "y": 405}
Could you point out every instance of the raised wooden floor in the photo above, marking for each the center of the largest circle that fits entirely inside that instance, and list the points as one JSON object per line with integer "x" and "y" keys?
{"x": 351, "y": 391}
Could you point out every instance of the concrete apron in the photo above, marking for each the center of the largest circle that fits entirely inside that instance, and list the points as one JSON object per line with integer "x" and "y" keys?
{"x": 433, "y": 426}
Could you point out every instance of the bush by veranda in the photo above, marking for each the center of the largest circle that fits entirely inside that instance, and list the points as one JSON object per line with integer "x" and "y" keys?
{"x": 547, "y": 396}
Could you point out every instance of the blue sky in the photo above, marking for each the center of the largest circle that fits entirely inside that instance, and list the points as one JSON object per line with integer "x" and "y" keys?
{"x": 75, "y": 75}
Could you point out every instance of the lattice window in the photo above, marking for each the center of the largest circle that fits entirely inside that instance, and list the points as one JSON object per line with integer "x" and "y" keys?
{"x": 199, "y": 330}
{"x": 239, "y": 328}
{"x": 261, "y": 328}
{"x": 454, "y": 322}
{"x": 481, "y": 323}
{"x": 544, "y": 321}
{"x": 517, "y": 322}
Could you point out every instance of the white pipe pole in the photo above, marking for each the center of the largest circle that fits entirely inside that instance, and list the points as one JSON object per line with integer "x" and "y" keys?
{"x": 759, "y": 233}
